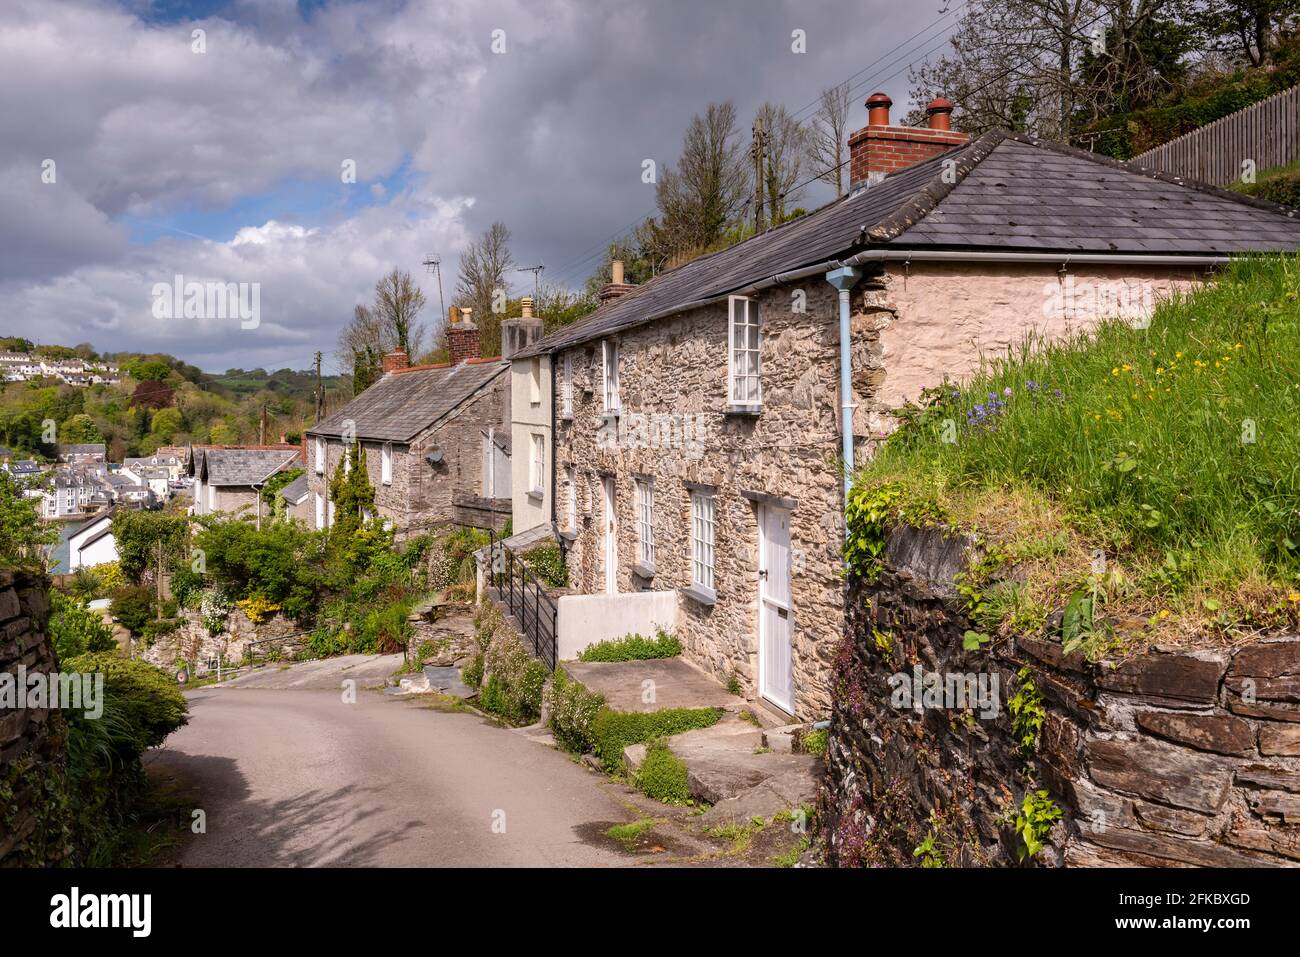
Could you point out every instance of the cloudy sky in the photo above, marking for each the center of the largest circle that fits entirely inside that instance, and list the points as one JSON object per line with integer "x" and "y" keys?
{"x": 223, "y": 158}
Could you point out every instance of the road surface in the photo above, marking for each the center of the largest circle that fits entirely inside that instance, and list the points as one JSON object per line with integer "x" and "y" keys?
{"x": 289, "y": 774}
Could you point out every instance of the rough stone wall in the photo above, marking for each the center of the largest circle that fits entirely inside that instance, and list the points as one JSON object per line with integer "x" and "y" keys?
{"x": 193, "y": 644}
{"x": 1170, "y": 758}
{"x": 32, "y": 740}
{"x": 678, "y": 367}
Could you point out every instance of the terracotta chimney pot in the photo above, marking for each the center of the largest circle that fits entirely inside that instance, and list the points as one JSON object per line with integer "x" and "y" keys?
{"x": 878, "y": 105}
{"x": 939, "y": 113}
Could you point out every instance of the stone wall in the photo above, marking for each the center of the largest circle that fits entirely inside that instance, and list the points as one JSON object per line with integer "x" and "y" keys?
{"x": 195, "y": 645}
{"x": 32, "y": 740}
{"x": 676, "y": 431}
{"x": 1170, "y": 758}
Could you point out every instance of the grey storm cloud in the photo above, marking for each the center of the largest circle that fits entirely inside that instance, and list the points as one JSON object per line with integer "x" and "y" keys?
{"x": 548, "y": 137}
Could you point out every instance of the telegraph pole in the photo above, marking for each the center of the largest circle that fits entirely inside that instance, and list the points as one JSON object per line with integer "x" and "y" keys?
{"x": 319, "y": 398}
{"x": 758, "y": 174}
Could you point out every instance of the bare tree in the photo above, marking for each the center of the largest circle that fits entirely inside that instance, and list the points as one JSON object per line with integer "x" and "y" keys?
{"x": 397, "y": 307}
{"x": 828, "y": 136}
{"x": 482, "y": 283}
{"x": 1013, "y": 64}
{"x": 703, "y": 196}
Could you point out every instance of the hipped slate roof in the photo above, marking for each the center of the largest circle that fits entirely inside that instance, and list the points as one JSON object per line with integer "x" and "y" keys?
{"x": 403, "y": 404}
{"x": 243, "y": 466}
{"x": 1008, "y": 194}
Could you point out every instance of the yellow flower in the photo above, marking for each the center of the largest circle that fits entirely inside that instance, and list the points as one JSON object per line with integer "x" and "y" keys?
{"x": 1115, "y": 371}
{"x": 1127, "y": 367}
{"x": 1160, "y": 370}
{"x": 1178, "y": 355}
{"x": 1162, "y": 614}
{"x": 1294, "y": 596}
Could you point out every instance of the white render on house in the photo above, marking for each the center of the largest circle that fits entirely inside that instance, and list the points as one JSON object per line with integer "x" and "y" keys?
{"x": 93, "y": 544}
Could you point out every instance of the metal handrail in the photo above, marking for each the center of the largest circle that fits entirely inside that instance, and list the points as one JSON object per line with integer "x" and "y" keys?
{"x": 516, "y": 584}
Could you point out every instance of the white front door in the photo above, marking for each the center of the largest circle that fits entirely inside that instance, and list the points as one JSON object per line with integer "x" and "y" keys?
{"x": 611, "y": 539}
{"x": 775, "y": 614}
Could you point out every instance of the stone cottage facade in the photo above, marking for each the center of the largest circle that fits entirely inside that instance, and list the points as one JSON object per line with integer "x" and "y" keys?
{"x": 432, "y": 440}
{"x": 698, "y": 420}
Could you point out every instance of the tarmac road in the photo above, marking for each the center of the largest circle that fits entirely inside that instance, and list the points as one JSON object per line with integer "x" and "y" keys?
{"x": 291, "y": 775}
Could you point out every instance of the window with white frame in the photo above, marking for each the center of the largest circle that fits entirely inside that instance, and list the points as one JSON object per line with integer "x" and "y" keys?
{"x": 320, "y": 456}
{"x": 745, "y": 386}
{"x": 609, "y": 356}
{"x": 568, "y": 386}
{"x": 329, "y": 517}
{"x": 386, "y": 464}
{"x": 645, "y": 522}
{"x": 539, "y": 464}
{"x": 702, "y": 529}
{"x": 535, "y": 381}
{"x": 320, "y": 510}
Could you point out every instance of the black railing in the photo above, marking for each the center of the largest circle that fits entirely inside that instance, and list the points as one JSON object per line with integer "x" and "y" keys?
{"x": 516, "y": 587}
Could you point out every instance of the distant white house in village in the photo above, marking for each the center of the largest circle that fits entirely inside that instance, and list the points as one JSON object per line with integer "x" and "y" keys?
{"x": 21, "y": 366}
{"x": 92, "y": 544}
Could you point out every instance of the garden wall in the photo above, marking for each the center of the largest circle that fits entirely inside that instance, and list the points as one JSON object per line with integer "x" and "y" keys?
{"x": 195, "y": 644}
{"x": 1170, "y": 758}
{"x": 32, "y": 740}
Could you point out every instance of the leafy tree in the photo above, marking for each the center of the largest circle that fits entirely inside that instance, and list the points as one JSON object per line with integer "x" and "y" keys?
{"x": 22, "y": 534}
{"x": 367, "y": 367}
{"x": 147, "y": 370}
{"x": 133, "y": 607}
{"x": 80, "y": 429}
{"x": 148, "y": 540}
{"x": 165, "y": 423}
{"x": 1248, "y": 30}
{"x": 704, "y": 194}
{"x": 152, "y": 394}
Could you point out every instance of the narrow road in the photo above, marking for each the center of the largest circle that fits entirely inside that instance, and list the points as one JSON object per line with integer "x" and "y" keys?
{"x": 289, "y": 774}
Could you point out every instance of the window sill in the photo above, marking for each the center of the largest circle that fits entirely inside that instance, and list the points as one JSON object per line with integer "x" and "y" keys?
{"x": 701, "y": 595}
{"x": 744, "y": 408}
{"x": 535, "y": 494}
{"x": 642, "y": 570}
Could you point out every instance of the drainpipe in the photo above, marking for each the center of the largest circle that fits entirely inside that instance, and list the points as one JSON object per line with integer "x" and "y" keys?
{"x": 844, "y": 279}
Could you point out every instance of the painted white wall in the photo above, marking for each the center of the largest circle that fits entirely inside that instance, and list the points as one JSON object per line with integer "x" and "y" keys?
{"x": 586, "y": 619}
{"x": 529, "y": 418}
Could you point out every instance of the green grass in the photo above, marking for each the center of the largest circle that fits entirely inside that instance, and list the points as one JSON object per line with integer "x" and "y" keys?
{"x": 630, "y": 834}
{"x": 1172, "y": 448}
{"x": 633, "y": 648}
{"x": 1279, "y": 184}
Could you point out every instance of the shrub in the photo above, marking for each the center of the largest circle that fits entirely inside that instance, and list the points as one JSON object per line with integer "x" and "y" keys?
{"x": 472, "y": 673}
{"x": 547, "y": 563}
{"x": 615, "y": 730}
{"x": 146, "y": 696}
{"x": 633, "y": 648}
{"x": 572, "y": 711}
{"x": 814, "y": 742}
{"x": 133, "y": 607}
{"x": 75, "y": 629}
{"x": 513, "y": 680}
{"x": 662, "y": 775}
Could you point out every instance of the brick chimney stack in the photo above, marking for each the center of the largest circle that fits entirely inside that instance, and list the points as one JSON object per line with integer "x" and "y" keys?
{"x": 879, "y": 149}
{"x": 397, "y": 359}
{"x": 616, "y": 286}
{"x": 462, "y": 337}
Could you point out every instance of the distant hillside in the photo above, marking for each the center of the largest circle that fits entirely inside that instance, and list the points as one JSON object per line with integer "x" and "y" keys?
{"x": 160, "y": 400}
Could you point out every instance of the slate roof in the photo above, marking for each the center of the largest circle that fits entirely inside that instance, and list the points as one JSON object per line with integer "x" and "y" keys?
{"x": 223, "y": 467}
{"x": 1009, "y": 194}
{"x": 403, "y": 404}
{"x": 296, "y": 490}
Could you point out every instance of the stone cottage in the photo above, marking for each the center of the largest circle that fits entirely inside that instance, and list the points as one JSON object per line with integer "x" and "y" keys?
{"x": 229, "y": 478}
{"x": 435, "y": 437}
{"x": 702, "y": 421}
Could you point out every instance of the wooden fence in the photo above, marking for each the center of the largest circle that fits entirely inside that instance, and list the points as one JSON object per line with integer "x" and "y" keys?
{"x": 1268, "y": 132}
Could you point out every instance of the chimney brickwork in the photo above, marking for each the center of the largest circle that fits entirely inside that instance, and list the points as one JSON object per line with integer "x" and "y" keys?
{"x": 879, "y": 149}
{"x": 463, "y": 338}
